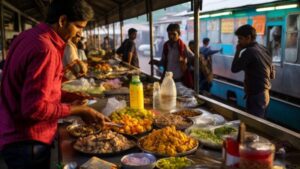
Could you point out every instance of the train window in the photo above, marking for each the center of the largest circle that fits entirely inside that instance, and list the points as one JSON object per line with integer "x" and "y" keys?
{"x": 227, "y": 29}
{"x": 292, "y": 34}
{"x": 274, "y": 42}
{"x": 203, "y": 29}
{"x": 213, "y": 30}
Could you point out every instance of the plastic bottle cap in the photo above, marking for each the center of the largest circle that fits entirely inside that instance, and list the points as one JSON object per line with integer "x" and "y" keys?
{"x": 156, "y": 85}
{"x": 135, "y": 78}
{"x": 170, "y": 74}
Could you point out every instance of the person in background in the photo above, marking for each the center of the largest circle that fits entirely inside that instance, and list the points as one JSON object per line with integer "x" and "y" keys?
{"x": 204, "y": 71}
{"x": 256, "y": 61}
{"x": 175, "y": 55}
{"x": 73, "y": 65}
{"x": 30, "y": 100}
{"x": 107, "y": 44}
{"x": 127, "y": 50}
{"x": 81, "y": 53}
{"x": 207, "y": 52}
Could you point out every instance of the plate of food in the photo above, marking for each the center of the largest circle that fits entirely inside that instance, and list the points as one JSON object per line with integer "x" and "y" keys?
{"x": 168, "y": 142}
{"x": 174, "y": 163}
{"x": 104, "y": 143}
{"x": 187, "y": 113}
{"x": 168, "y": 119}
{"x": 135, "y": 121}
{"x": 82, "y": 130}
{"x": 211, "y": 136}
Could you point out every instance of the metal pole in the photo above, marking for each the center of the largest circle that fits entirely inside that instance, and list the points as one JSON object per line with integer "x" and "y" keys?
{"x": 151, "y": 33}
{"x": 114, "y": 37}
{"x": 94, "y": 37}
{"x": 2, "y": 31}
{"x": 99, "y": 34}
{"x": 121, "y": 22}
{"x": 196, "y": 38}
{"x": 121, "y": 31}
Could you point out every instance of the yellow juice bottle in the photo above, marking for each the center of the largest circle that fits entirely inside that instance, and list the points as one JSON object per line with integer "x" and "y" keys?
{"x": 136, "y": 93}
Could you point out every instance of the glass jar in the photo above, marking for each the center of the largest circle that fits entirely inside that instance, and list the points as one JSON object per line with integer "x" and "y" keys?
{"x": 256, "y": 155}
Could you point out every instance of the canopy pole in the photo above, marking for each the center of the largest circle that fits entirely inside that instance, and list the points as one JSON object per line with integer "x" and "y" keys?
{"x": 197, "y": 4}
{"x": 149, "y": 9}
{"x": 99, "y": 34}
{"x": 121, "y": 22}
{"x": 114, "y": 36}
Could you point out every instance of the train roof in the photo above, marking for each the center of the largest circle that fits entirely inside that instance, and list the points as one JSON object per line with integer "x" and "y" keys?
{"x": 214, "y": 5}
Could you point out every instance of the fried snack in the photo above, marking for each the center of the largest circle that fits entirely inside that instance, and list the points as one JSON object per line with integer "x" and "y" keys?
{"x": 168, "y": 141}
{"x": 135, "y": 121}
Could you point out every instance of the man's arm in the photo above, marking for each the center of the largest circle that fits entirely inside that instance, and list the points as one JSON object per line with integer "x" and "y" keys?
{"x": 37, "y": 91}
{"x": 211, "y": 52}
{"x": 240, "y": 60}
{"x": 37, "y": 104}
{"x": 130, "y": 55}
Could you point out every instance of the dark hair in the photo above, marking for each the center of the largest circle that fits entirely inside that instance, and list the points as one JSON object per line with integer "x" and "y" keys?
{"x": 80, "y": 45}
{"x": 245, "y": 31}
{"x": 205, "y": 40}
{"x": 75, "y": 10}
{"x": 131, "y": 31}
{"x": 191, "y": 42}
{"x": 173, "y": 27}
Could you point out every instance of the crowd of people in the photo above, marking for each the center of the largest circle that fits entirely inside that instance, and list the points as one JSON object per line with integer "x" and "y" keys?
{"x": 40, "y": 58}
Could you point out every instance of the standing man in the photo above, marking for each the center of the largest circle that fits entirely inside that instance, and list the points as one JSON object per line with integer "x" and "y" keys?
{"x": 176, "y": 57}
{"x": 127, "y": 50}
{"x": 255, "y": 60}
{"x": 30, "y": 100}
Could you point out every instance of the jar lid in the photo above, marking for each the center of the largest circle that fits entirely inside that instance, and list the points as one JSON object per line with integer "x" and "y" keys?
{"x": 261, "y": 146}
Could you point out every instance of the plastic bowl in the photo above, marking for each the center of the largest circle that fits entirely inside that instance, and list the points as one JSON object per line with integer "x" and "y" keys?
{"x": 129, "y": 161}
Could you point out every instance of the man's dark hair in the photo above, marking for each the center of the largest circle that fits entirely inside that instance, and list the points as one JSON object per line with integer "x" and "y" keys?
{"x": 131, "y": 31}
{"x": 75, "y": 10}
{"x": 245, "y": 31}
{"x": 80, "y": 45}
{"x": 173, "y": 27}
{"x": 205, "y": 40}
{"x": 191, "y": 42}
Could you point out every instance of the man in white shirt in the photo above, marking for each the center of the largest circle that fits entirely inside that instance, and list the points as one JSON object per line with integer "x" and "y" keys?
{"x": 73, "y": 66}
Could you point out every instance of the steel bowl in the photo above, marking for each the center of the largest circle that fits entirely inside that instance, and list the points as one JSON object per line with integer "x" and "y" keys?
{"x": 128, "y": 165}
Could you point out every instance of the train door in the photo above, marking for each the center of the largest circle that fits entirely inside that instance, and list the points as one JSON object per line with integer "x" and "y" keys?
{"x": 275, "y": 46}
{"x": 274, "y": 42}
{"x": 291, "y": 59}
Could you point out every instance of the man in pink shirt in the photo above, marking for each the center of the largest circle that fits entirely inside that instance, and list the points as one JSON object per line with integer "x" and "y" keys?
{"x": 30, "y": 100}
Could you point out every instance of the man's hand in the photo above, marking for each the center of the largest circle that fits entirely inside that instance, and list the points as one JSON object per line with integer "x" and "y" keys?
{"x": 238, "y": 48}
{"x": 83, "y": 68}
{"x": 154, "y": 62}
{"x": 89, "y": 115}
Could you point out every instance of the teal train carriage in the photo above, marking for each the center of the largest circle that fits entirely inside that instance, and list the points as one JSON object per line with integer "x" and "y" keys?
{"x": 278, "y": 28}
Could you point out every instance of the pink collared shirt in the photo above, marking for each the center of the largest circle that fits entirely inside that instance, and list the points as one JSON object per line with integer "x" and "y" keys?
{"x": 30, "y": 99}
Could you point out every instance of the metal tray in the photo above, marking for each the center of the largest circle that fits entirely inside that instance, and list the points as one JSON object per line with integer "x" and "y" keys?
{"x": 71, "y": 130}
